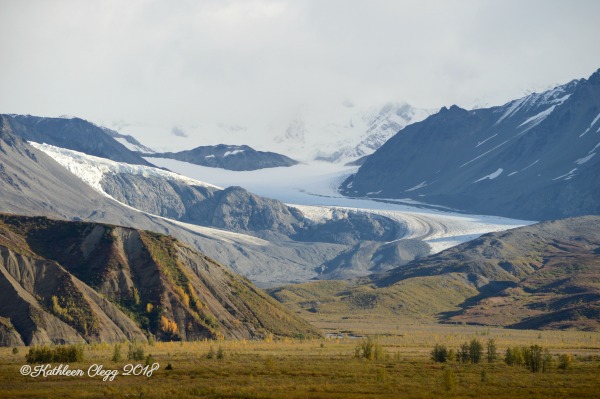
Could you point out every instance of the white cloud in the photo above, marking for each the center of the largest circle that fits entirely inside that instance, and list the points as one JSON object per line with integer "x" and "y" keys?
{"x": 154, "y": 64}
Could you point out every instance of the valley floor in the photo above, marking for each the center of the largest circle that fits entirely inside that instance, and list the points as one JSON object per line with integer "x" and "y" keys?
{"x": 326, "y": 368}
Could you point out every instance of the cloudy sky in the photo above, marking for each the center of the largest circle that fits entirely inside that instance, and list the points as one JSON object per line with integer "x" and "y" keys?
{"x": 164, "y": 70}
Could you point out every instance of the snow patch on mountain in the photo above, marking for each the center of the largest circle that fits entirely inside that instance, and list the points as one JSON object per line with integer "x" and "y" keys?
{"x": 130, "y": 146}
{"x": 228, "y": 153}
{"x": 583, "y": 160}
{"x": 591, "y": 125}
{"x": 485, "y": 153}
{"x": 91, "y": 169}
{"x": 418, "y": 186}
{"x": 567, "y": 176}
{"x": 491, "y": 176}
{"x": 537, "y": 119}
{"x": 555, "y": 96}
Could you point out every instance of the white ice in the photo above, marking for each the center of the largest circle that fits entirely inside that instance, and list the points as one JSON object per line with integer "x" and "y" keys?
{"x": 583, "y": 160}
{"x": 312, "y": 189}
{"x": 491, "y": 176}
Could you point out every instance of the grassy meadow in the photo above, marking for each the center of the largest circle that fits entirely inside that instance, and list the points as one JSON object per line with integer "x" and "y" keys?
{"x": 325, "y": 368}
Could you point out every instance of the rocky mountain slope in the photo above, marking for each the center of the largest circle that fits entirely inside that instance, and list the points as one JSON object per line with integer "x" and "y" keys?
{"x": 232, "y": 157}
{"x": 532, "y": 158}
{"x": 73, "y": 133}
{"x": 74, "y": 281}
{"x": 543, "y": 276}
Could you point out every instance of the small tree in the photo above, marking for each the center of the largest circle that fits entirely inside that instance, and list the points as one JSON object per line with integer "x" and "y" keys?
{"x": 548, "y": 361}
{"x": 463, "y": 353}
{"x": 492, "y": 351}
{"x": 149, "y": 360}
{"x": 439, "y": 353}
{"x": 451, "y": 355}
{"x": 514, "y": 357}
{"x": 533, "y": 358}
{"x": 369, "y": 349}
{"x": 116, "y": 357}
{"x": 565, "y": 361}
{"x": 475, "y": 351}
{"x": 211, "y": 353}
{"x": 220, "y": 353}
{"x": 449, "y": 380}
{"x": 135, "y": 352}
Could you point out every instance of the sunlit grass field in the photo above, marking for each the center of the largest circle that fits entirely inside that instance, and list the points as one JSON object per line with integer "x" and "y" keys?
{"x": 326, "y": 368}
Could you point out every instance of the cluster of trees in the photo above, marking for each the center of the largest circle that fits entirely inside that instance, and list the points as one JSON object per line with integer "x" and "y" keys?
{"x": 369, "y": 349}
{"x": 219, "y": 355}
{"x": 55, "y": 354}
{"x": 534, "y": 357}
{"x": 468, "y": 352}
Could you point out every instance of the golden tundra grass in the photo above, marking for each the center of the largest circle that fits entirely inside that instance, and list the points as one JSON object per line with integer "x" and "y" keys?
{"x": 327, "y": 368}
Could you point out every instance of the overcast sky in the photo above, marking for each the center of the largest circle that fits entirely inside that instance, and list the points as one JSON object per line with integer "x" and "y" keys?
{"x": 177, "y": 65}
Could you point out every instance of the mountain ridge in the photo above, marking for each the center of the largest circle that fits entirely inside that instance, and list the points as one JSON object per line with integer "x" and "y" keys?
{"x": 231, "y": 157}
{"x": 72, "y": 133}
{"x": 532, "y": 158}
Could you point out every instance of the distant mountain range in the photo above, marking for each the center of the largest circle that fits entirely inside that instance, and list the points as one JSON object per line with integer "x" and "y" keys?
{"x": 232, "y": 157}
{"x": 532, "y": 158}
{"x": 542, "y": 276}
{"x": 373, "y": 128}
{"x": 66, "y": 282}
{"x": 357, "y": 132}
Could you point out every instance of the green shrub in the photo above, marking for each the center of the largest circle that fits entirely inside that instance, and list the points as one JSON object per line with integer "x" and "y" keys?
{"x": 492, "y": 351}
{"x": 449, "y": 380}
{"x": 475, "y": 351}
{"x": 439, "y": 354}
{"x": 55, "y": 354}
{"x": 136, "y": 352}
{"x": 451, "y": 355}
{"x": 514, "y": 357}
{"x": 211, "y": 353}
{"x": 470, "y": 352}
{"x": 149, "y": 360}
{"x": 463, "y": 353}
{"x": 565, "y": 361}
{"x": 534, "y": 357}
{"x": 369, "y": 349}
{"x": 116, "y": 357}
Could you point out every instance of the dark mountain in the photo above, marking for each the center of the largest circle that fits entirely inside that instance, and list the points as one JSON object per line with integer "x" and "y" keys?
{"x": 532, "y": 158}
{"x": 73, "y": 281}
{"x": 543, "y": 276}
{"x": 232, "y": 157}
{"x": 72, "y": 133}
